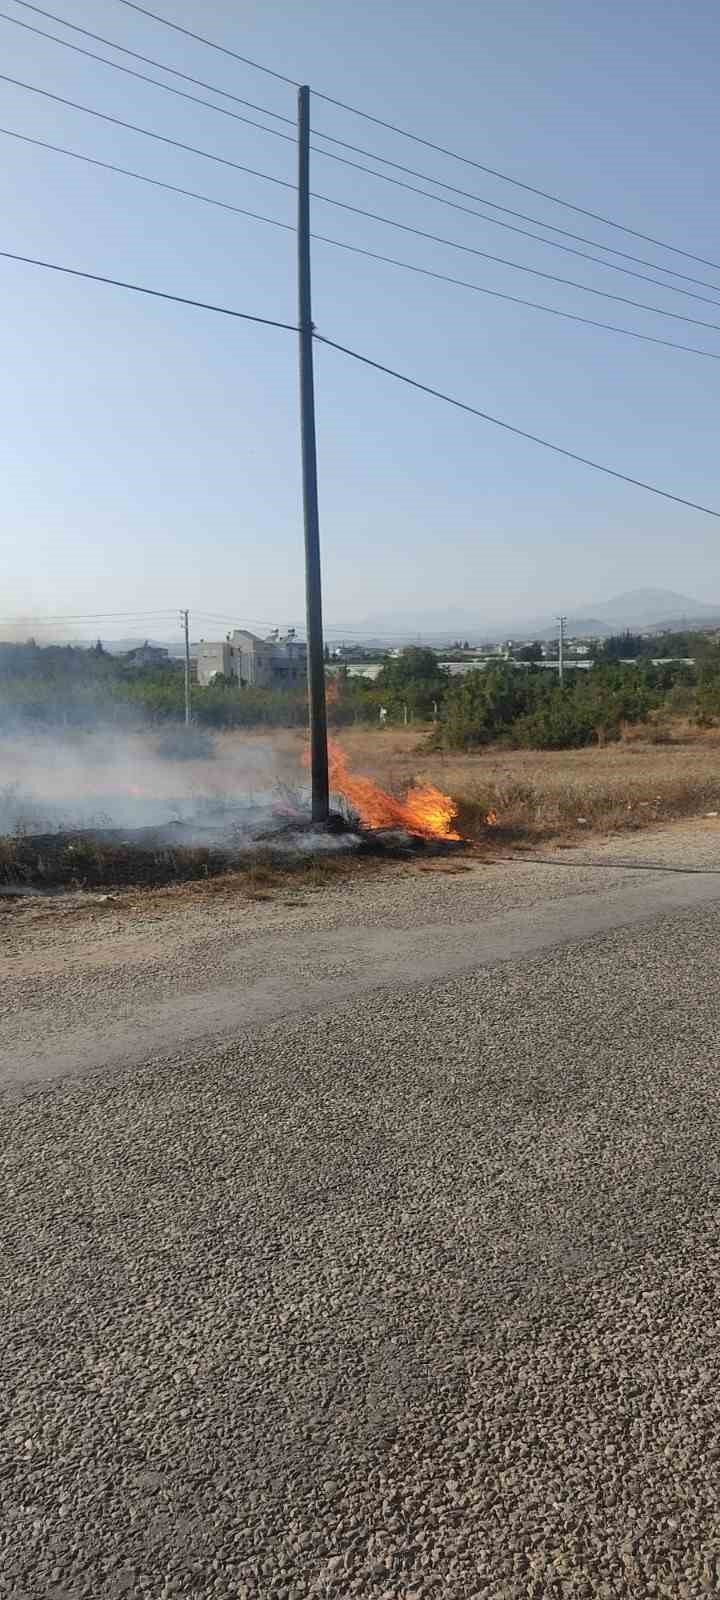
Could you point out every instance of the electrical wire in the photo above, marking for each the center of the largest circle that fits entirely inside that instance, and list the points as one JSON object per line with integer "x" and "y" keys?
{"x": 391, "y": 222}
{"x": 509, "y": 211}
{"x": 335, "y": 630}
{"x": 134, "y": 127}
{"x": 393, "y": 127}
{"x": 149, "y": 61}
{"x": 378, "y": 366}
{"x": 139, "y": 288}
{"x": 517, "y": 300}
{"x": 319, "y": 133}
{"x": 91, "y": 616}
{"x": 224, "y": 49}
{"x": 142, "y": 177}
{"x": 399, "y": 183}
{"x": 509, "y": 427}
{"x": 223, "y": 618}
{"x": 505, "y": 261}
{"x": 372, "y": 255}
{"x": 131, "y": 72}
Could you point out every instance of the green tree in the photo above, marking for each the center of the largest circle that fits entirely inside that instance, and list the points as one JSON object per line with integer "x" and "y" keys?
{"x": 529, "y": 652}
{"x": 413, "y": 679}
{"x": 622, "y": 646}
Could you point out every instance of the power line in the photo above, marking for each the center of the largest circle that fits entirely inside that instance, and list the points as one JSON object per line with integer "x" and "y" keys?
{"x": 512, "y": 227}
{"x": 522, "y": 433}
{"x": 130, "y": 72}
{"x": 535, "y": 272}
{"x": 493, "y": 172}
{"x": 162, "y": 138}
{"x": 224, "y": 49}
{"x": 330, "y": 138}
{"x": 226, "y": 620}
{"x": 402, "y": 377}
{"x": 509, "y": 211}
{"x": 341, "y": 634}
{"x": 399, "y": 183}
{"x": 139, "y": 288}
{"x": 517, "y": 300}
{"x": 391, "y": 222}
{"x": 149, "y": 61}
{"x": 393, "y": 127}
{"x": 202, "y": 616}
{"x": 386, "y": 178}
{"x": 372, "y": 255}
{"x": 90, "y": 616}
{"x": 142, "y": 177}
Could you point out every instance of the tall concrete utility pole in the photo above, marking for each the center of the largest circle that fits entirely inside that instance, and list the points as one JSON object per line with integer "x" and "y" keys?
{"x": 561, "y": 649}
{"x": 185, "y": 620}
{"x": 313, "y": 581}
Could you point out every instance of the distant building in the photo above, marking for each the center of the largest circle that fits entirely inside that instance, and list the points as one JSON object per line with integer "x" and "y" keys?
{"x": 148, "y": 655}
{"x": 365, "y": 669}
{"x": 277, "y": 662}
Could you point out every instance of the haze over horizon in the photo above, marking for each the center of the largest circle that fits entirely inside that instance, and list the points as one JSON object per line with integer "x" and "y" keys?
{"x": 636, "y": 609}
{"x": 150, "y": 452}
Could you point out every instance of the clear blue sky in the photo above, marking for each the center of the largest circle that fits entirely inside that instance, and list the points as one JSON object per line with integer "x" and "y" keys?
{"x": 149, "y": 454}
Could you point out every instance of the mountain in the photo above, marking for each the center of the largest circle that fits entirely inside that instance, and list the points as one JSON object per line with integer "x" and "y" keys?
{"x": 644, "y": 607}
{"x": 120, "y": 647}
{"x": 637, "y": 609}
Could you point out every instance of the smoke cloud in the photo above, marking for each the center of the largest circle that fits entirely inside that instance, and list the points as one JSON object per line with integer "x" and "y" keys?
{"x": 224, "y": 785}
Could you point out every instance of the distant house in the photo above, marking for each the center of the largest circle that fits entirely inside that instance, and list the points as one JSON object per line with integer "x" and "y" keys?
{"x": 277, "y": 662}
{"x": 358, "y": 669}
{"x": 147, "y": 655}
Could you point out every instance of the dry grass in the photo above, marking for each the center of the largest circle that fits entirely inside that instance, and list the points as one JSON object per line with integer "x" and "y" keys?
{"x": 657, "y": 772}
{"x": 99, "y": 865}
{"x": 654, "y": 774}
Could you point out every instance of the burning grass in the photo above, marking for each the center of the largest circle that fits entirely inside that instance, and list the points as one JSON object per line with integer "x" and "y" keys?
{"x": 543, "y": 796}
{"x": 395, "y": 781}
{"x": 424, "y": 810}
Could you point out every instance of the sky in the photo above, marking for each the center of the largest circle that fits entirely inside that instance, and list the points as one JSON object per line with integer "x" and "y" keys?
{"x": 149, "y": 452}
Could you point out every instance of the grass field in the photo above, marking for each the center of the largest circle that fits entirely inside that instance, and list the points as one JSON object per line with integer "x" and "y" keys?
{"x": 560, "y": 793}
{"x": 513, "y": 797}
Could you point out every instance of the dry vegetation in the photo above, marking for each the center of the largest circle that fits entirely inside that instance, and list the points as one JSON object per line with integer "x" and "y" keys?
{"x": 258, "y": 876}
{"x": 651, "y": 775}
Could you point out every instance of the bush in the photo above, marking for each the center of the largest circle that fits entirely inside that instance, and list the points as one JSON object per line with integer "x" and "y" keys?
{"x": 531, "y": 709}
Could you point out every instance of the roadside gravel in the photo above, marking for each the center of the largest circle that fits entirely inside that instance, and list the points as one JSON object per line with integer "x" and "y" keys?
{"x": 418, "y": 1297}
{"x": 93, "y": 960}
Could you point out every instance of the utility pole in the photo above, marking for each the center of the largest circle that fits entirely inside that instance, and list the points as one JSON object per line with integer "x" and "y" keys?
{"x": 185, "y": 620}
{"x": 313, "y": 581}
{"x": 561, "y": 649}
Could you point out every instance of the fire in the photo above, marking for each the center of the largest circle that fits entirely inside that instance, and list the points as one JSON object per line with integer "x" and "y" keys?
{"x": 425, "y": 810}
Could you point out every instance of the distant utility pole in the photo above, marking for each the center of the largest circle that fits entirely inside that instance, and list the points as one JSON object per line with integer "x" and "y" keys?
{"x": 313, "y": 581}
{"x": 185, "y": 620}
{"x": 561, "y": 649}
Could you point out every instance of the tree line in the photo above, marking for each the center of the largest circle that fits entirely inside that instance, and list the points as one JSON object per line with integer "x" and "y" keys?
{"x": 57, "y": 686}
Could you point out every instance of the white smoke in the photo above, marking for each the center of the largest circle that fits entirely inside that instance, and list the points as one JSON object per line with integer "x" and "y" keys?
{"x": 223, "y": 786}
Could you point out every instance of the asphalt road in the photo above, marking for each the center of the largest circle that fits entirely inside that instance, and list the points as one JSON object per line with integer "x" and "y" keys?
{"x": 407, "y": 1288}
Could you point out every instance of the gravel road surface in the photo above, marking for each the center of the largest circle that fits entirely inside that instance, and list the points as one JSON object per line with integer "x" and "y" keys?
{"x": 403, "y": 1286}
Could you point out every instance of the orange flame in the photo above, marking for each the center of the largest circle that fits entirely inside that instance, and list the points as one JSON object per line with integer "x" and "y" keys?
{"x": 425, "y": 810}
